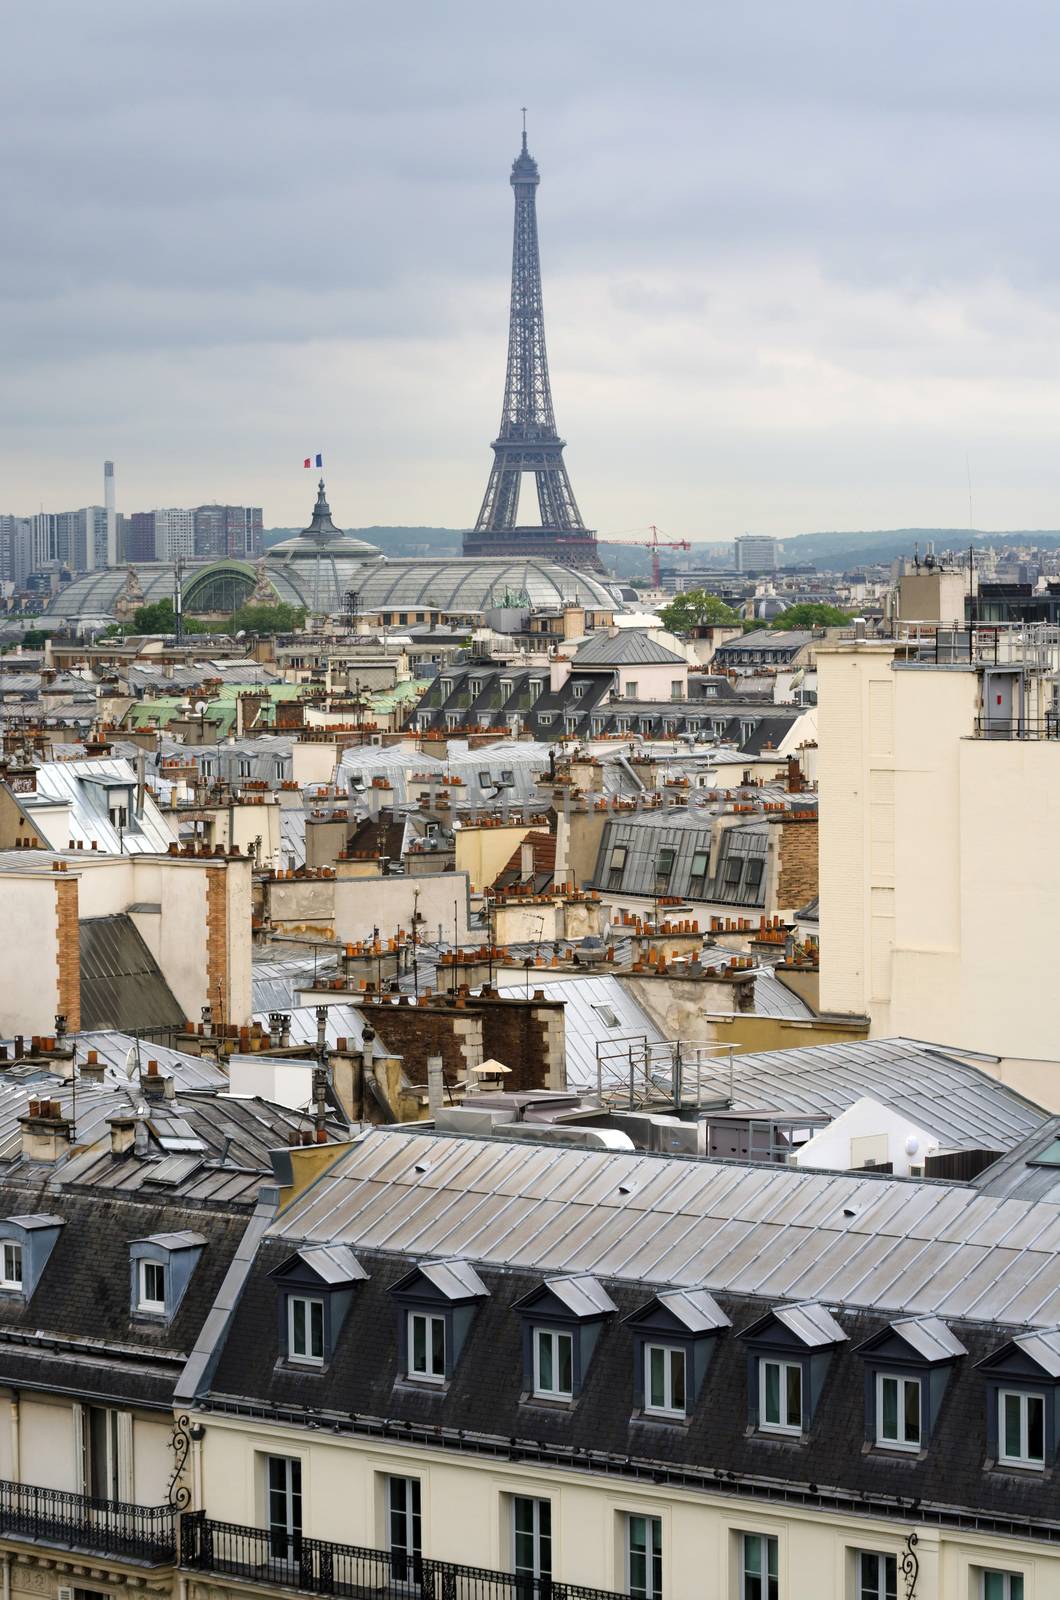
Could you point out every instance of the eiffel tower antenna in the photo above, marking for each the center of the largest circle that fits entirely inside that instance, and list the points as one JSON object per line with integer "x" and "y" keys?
{"x": 528, "y": 441}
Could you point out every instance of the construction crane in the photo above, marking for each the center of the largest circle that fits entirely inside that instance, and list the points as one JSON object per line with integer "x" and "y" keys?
{"x": 654, "y": 544}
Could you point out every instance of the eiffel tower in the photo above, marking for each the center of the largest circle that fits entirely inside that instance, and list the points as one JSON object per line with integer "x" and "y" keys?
{"x": 528, "y": 440}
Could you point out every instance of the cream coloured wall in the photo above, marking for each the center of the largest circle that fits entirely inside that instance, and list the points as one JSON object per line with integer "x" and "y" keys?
{"x": 483, "y": 852}
{"x": 29, "y": 996}
{"x": 466, "y": 1518}
{"x": 152, "y": 1458}
{"x": 387, "y": 903}
{"x": 313, "y": 762}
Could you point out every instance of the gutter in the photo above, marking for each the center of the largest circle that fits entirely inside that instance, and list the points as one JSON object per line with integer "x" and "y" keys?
{"x": 202, "y": 1363}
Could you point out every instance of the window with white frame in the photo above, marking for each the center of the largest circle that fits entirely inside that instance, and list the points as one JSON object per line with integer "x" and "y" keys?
{"x": 151, "y": 1286}
{"x": 531, "y": 1537}
{"x": 553, "y": 1364}
{"x": 11, "y": 1265}
{"x": 644, "y": 1557}
{"x": 305, "y": 1329}
{"x": 780, "y": 1395}
{"x": 665, "y": 1387}
{"x": 876, "y": 1576}
{"x": 1000, "y": 1585}
{"x": 897, "y": 1411}
{"x": 631, "y": 688}
{"x": 426, "y": 1335}
{"x": 759, "y": 1567}
{"x": 1021, "y": 1428}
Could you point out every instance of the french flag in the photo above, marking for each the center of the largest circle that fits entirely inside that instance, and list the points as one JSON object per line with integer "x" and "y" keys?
{"x": 313, "y": 461}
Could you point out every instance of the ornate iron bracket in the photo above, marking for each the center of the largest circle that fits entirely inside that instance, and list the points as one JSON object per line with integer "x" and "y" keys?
{"x": 178, "y": 1494}
{"x": 910, "y": 1565}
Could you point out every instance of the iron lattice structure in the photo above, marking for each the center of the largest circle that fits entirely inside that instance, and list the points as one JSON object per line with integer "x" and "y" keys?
{"x": 528, "y": 440}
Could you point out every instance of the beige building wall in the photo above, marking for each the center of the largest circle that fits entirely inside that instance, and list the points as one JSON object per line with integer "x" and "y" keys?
{"x": 938, "y": 880}
{"x": 466, "y": 1509}
{"x": 932, "y": 596}
{"x": 483, "y": 852}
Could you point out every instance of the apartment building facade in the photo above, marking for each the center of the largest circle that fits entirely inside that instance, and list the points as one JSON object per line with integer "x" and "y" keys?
{"x": 938, "y": 772}
{"x": 445, "y": 1366}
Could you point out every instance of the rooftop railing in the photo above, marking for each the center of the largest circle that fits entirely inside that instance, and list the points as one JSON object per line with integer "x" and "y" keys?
{"x": 77, "y": 1522}
{"x": 279, "y": 1559}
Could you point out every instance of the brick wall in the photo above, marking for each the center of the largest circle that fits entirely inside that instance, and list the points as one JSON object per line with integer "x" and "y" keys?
{"x": 526, "y": 1035}
{"x": 68, "y": 957}
{"x": 797, "y": 878}
{"x": 217, "y": 942}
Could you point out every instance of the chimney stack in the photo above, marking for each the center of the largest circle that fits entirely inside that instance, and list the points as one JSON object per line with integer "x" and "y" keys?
{"x": 46, "y": 1133}
{"x": 111, "y": 513}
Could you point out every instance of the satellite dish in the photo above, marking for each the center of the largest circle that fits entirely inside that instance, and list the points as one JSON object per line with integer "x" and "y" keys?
{"x": 130, "y": 1062}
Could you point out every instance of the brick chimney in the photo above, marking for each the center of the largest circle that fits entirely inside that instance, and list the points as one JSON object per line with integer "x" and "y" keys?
{"x": 46, "y": 1133}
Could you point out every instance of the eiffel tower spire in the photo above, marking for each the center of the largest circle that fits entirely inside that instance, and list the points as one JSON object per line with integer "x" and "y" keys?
{"x": 528, "y": 441}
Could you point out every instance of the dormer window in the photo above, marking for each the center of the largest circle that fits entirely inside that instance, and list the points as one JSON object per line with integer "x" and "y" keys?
{"x": 780, "y": 1395}
{"x": 1021, "y": 1428}
{"x": 562, "y": 1320}
{"x": 1023, "y": 1385}
{"x": 789, "y": 1350}
{"x": 665, "y": 1385}
{"x": 436, "y": 1304}
{"x": 909, "y": 1364}
{"x": 426, "y": 1336}
{"x": 316, "y": 1288}
{"x": 26, "y": 1242}
{"x": 305, "y": 1329}
{"x": 553, "y": 1364}
{"x": 11, "y": 1266}
{"x": 898, "y": 1408}
{"x": 152, "y": 1287}
{"x": 674, "y": 1337}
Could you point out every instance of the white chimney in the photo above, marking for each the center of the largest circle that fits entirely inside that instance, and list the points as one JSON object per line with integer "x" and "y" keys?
{"x": 112, "y": 515}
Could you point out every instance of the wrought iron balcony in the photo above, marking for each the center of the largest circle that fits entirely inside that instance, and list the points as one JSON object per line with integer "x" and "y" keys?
{"x": 76, "y": 1522}
{"x": 278, "y": 1560}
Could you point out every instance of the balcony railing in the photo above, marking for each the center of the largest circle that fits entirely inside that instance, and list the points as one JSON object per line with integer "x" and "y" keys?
{"x": 76, "y": 1522}
{"x": 276, "y": 1559}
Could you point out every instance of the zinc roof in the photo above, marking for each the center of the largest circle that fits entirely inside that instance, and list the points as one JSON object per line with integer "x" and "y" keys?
{"x": 923, "y": 1249}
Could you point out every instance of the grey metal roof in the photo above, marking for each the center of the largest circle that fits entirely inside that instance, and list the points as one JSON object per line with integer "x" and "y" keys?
{"x": 333, "y": 1263}
{"x": 123, "y": 1056}
{"x": 343, "y": 1022}
{"x": 930, "y": 1338}
{"x": 37, "y": 1219}
{"x": 812, "y": 1324}
{"x": 924, "y": 1249}
{"x": 121, "y": 983}
{"x": 630, "y": 647}
{"x": 80, "y": 786}
{"x": 1042, "y": 1347}
{"x": 455, "y": 1278}
{"x": 696, "y": 1309}
{"x": 182, "y": 1240}
{"x": 591, "y": 1003}
{"x": 963, "y": 1106}
{"x": 583, "y": 1296}
{"x": 1017, "y": 1176}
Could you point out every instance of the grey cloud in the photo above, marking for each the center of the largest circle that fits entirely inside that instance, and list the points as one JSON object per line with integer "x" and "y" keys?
{"x": 739, "y": 205}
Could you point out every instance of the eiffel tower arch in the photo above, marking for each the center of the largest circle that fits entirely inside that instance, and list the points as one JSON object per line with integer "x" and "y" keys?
{"x": 528, "y": 441}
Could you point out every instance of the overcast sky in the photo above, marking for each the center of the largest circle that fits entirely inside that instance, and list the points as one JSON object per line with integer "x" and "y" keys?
{"x": 800, "y": 261}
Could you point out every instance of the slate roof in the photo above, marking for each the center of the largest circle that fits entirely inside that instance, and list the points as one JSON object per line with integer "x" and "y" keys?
{"x": 121, "y": 983}
{"x": 629, "y": 648}
{"x": 77, "y": 1333}
{"x": 484, "y": 1399}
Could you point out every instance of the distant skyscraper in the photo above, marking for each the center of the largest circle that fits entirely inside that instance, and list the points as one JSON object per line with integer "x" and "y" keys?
{"x": 227, "y": 531}
{"x": 174, "y": 534}
{"x": 528, "y": 441}
{"x": 140, "y": 537}
{"x": 757, "y": 553}
{"x": 16, "y": 550}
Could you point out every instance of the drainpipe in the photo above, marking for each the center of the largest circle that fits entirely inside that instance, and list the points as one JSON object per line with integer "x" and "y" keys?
{"x": 16, "y": 1452}
{"x": 7, "y": 1577}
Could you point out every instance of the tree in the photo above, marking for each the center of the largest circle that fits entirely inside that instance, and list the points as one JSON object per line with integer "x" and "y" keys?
{"x": 158, "y": 616}
{"x": 35, "y": 638}
{"x": 811, "y": 614}
{"x": 280, "y": 618}
{"x": 694, "y": 608}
